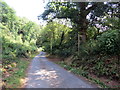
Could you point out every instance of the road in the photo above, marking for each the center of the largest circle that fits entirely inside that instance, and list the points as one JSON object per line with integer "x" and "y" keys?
{"x": 43, "y": 73}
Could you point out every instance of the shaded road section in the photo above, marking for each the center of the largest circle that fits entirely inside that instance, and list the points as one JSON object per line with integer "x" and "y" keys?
{"x": 46, "y": 74}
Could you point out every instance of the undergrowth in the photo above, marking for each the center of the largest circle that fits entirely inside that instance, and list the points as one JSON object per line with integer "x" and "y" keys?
{"x": 81, "y": 71}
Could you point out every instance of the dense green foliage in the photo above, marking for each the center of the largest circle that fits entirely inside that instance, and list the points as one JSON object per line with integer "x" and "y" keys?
{"x": 81, "y": 14}
{"x": 18, "y": 35}
{"x": 109, "y": 42}
{"x": 54, "y": 38}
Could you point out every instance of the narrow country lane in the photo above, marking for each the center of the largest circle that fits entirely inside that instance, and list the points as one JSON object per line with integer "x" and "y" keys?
{"x": 46, "y": 74}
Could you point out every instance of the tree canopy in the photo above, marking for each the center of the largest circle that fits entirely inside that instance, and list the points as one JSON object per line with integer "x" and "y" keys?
{"x": 81, "y": 14}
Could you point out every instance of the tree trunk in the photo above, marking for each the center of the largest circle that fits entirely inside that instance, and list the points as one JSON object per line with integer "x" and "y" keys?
{"x": 78, "y": 43}
{"x": 84, "y": 36}
{"x": 62, "y": 38}
{"x": 51, "y": 45}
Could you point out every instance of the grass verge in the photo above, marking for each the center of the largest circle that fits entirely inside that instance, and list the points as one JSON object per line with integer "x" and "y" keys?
{"x": 13, "y": 81}
{"x": 82, "y": 72}
{"x": 14, "y": 75}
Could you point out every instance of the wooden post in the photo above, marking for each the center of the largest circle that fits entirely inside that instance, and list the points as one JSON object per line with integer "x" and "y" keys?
{"x": 51, "y": 45}
{"x": 78, "y": 43}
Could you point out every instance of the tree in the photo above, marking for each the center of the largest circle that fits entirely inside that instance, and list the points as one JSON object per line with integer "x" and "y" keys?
{"x": 53, "y": 37}
{"x": 76, "y": 12}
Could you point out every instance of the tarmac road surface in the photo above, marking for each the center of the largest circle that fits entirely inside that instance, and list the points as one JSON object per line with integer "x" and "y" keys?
{"x": 46, "y": 74}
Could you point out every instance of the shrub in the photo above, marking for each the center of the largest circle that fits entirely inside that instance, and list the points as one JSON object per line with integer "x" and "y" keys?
{"x": 109, "y": 42}
{"x": 106, "y": 43}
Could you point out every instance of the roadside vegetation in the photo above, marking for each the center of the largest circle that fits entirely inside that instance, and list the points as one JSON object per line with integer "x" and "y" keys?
{"x": 18, "y": 37}
{"x": 86, "y": 35}
{"x": 14, "y": 74}
{"x": 99, "y": 81}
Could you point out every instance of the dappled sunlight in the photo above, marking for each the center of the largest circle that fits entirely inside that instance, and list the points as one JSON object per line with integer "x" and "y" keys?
{"x": 48, "y": 76}
{"x": 51, "y": 77}
{"x": 41, "y": 75}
